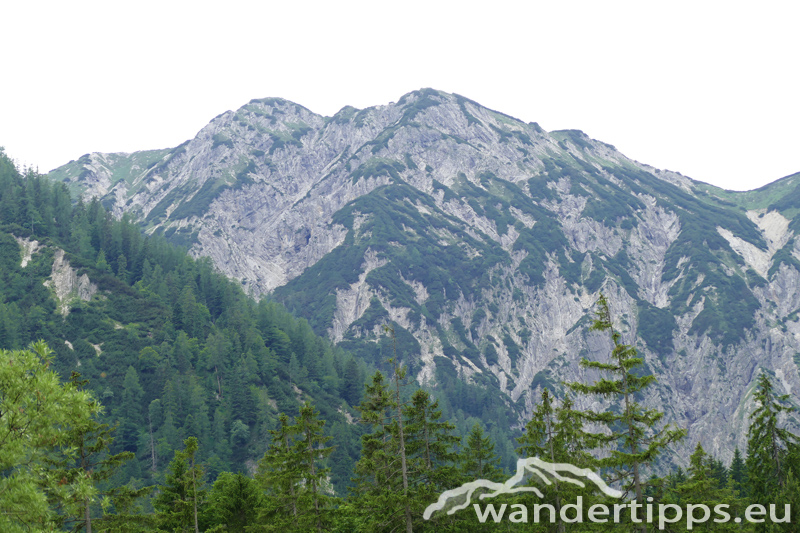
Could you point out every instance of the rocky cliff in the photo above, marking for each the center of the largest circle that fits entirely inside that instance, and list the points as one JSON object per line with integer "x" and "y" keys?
{"x": 485, "y": 241}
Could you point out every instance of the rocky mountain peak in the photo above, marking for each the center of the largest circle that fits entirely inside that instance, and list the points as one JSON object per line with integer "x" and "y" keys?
{"x": 485, "y": 241}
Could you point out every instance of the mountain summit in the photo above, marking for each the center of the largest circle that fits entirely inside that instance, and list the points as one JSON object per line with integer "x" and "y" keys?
{"x": 485, "y": 241}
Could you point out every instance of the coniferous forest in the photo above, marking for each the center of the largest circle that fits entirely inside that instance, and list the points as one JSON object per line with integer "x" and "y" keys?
{"x": 140, "y": 390}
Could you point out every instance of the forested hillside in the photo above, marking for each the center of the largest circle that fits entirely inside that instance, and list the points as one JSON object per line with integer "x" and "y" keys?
{"x": 171, "y": 348}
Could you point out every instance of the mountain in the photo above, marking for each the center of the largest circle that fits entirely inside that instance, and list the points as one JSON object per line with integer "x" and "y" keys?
{"x": 171, "y": 348}
{"x": 485, "y": 241}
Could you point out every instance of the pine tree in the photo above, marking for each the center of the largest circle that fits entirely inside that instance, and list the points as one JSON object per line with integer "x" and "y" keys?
{"x": 432, "y": 460}
{"x": 351, "y": 383}
{"x": 398, "y": 374}
{"x": 92, "y": 441}
{"x": 130, "y": 410}
{"x": 555, "y": 434}
{"x": 294, "y": 476}
{"x": 122, "y": 268}
{"x": 38, "y": 415}
{"x": 633, "y": 438}
{"x": 102, "y": 264}
{"x": 406, "y": 460}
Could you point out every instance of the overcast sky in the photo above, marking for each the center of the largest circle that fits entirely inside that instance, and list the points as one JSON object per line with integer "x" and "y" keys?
{"x": 708, "y": 89}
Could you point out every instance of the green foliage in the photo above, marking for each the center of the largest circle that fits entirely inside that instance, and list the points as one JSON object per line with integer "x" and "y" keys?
{"x": 703, "y": 486}
{"x": 282, "y": 140}
{"x": 462, "y": 104}
{"x": 577, "y": 137}
{"x": 544, "y": 237}
{"x": 772, "y": 451}
{"x": 407, "y": 457}
{"x": 233, "y": 503}
{"x": 729, "y": 304}
{"x": 377, "y": 167}
{"x": 221, "y": 139}
{"x": 198, "y": 203}
{"x": 344, "y": 115}
{"x": 726, "y": 317}
{"x": 419, "y": 256}
{"x": 179, "y": 500}
{"x": 477, "y": 459}
{"x": 172, "y": 349}
{"x": 633, "y": 435}
{"x": 656, "y": 327}
{"x": 39, "y": 416}
{"x": 610, "y": 203}
{"x": 293, "y": 474}
{"x": 783, "y": 256}
{"x": 556, "y": 435}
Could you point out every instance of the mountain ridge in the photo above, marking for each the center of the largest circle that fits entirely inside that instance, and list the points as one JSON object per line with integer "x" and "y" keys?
{"x": 485, "y": 241}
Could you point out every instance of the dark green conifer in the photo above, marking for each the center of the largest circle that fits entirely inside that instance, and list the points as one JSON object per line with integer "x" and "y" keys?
{"x": 771, "y": 449}
{"x": 633, "y": 437}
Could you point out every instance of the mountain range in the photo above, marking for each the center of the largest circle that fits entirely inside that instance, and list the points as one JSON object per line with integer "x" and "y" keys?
{"x": 485, "y": 242}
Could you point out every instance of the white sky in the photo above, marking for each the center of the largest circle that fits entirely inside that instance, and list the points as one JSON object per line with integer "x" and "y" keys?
{"x": 709, "y": 89}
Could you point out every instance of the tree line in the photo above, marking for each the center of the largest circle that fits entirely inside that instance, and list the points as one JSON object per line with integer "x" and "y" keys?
{"x": 55, "y": 456}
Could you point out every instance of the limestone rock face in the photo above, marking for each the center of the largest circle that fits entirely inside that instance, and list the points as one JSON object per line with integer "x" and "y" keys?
{"x": 67, "y": 285}
{"x": 485, "y": 241}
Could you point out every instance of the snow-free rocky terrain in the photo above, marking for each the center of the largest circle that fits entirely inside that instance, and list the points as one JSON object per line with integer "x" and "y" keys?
{"x": 485, "y": 241}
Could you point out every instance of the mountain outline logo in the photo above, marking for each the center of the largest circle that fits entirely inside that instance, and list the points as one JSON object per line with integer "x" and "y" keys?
{"x": 531, "y": 465}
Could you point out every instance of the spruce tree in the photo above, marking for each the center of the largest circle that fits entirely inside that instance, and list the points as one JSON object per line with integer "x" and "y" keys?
{"x": 738, "y": 472}
{"x": 554, "y": 434}
{"x": 432, "y": 469}
{"x": 703, "y": 486}
{"x": 477, "y": 459}
{"x": 376, "y": 481}
{"x": 130, "y": 410}
{"x": 279, "y": 476}
{"x": 179, "y": 501}
{"x": 233, "y": 503}
{"x": 771, "y": 449}
{"x": 311, "y": 452}
{"x": 633, "y": 437}
{"x": 398, "y": 375}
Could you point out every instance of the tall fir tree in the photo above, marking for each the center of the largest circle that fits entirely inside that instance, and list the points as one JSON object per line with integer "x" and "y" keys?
{"x": 633, "y": 436}
{"x": 772, "y": 450}
{"x": 478, "y": 459}
{"x": 179, "y": 501}
{"x": 233, "y": 503}
{"x": 311, "y": 454}
{"x": 738, "y": 472}
{"x": 398, "y": 377}
{"x": 279, "y": 476}
{"x": 376, "y": 481}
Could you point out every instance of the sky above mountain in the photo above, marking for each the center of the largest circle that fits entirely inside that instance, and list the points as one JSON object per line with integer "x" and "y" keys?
{"x": 708, "y": 90}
